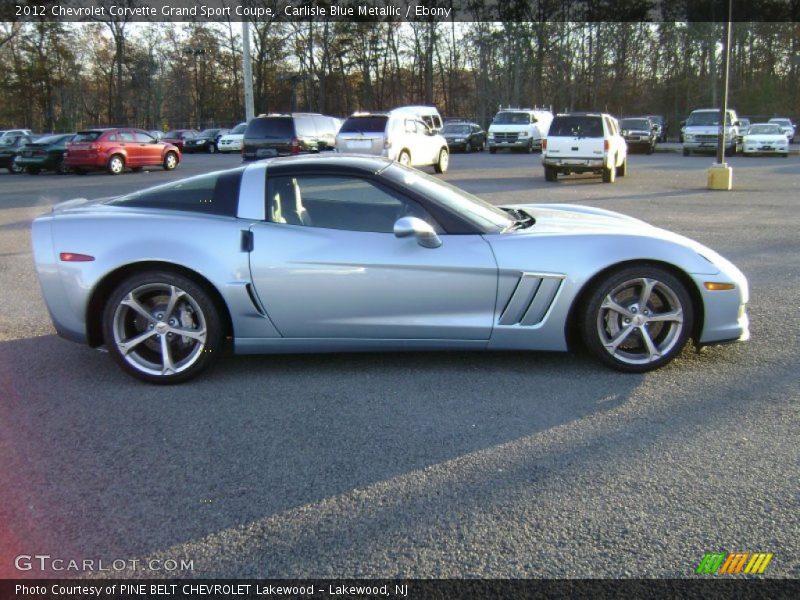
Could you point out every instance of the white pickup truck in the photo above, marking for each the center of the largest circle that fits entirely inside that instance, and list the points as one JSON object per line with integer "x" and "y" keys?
{"x": 701, "y": 131}
{"x": 585, "y": 143}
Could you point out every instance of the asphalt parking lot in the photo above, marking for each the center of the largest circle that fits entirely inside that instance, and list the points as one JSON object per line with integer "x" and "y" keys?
{"x": 419, "y": 465}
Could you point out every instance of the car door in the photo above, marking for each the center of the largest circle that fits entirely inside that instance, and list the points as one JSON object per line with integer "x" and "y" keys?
{"x": 325, "y": 263}
{"x": 126, "y": 141}
{"x": 149, "y": 149}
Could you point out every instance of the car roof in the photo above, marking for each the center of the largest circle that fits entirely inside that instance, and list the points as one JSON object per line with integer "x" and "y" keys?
{"x": 336, "y": 163}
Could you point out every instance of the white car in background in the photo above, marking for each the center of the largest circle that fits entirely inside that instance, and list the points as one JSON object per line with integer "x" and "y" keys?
{"x": 233, "y": 140}
{"x": 787, "y": 127}
{"x": 765, "y": 138}
{"x": 399, "y": 135}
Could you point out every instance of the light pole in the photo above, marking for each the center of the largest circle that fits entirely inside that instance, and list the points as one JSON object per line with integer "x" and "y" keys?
{"x": 720, "y": 175}
{"x": 249, "y": 108}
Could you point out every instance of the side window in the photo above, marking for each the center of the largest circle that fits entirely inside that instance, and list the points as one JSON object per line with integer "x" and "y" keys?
{"x": 125, "y": 136}
{"x": 332, "y": 202}
{"x": 411, "y": 126}
{"x": 113, "y": 137}
{"x": 142, "y": 137}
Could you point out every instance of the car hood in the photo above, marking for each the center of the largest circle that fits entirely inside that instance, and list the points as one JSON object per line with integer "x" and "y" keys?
{"x": 765, "y": 137}
{"x": 576, "y": 219}
{"x": 702, "y": 129}
{"x": 508, "y": 128}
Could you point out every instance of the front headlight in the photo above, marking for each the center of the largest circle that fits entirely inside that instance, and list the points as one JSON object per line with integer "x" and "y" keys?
{"x": 523, "y": 134}
{"x": 688, "y": 137}
{"x": 491, "y": 135}
{"x": 460, "y": 140}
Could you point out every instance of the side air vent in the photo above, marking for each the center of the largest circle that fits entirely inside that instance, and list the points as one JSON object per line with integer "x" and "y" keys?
{"x": 531, "y": 299}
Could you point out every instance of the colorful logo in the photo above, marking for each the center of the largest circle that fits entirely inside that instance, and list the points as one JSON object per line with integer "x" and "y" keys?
{"x": 722, "y": 563}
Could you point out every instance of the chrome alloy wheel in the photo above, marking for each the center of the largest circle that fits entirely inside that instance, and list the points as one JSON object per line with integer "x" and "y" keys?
{"x": 159, "y": 329}
{"x": 640, "y": 321}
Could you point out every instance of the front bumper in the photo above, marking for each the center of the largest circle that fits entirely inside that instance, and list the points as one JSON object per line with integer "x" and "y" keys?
{"x": 520, "y": 143}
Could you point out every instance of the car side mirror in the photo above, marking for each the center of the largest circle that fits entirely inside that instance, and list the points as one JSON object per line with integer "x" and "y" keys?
{"x": 408, "y": 226}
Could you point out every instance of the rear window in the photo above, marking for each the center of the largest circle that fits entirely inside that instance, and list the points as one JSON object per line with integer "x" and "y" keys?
{"x": 366, "y": 124}
{"x": 215, "y": 193}
{"x": 87, "y": 136}
{"x": 576, "y": 126}
{"x": 304, "y": 126}
{"x": 270, "y": 127}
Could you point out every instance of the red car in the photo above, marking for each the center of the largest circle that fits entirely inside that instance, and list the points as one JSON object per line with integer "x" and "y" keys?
{"x": 179, "y": 137}
{"x": 118, "y": 149}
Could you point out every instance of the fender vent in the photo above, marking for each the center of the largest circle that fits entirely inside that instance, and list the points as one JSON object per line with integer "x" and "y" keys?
{"x": 531, "y": 299}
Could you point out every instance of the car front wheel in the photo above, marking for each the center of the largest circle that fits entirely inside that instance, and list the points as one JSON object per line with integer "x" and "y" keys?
{"x": 170, "y": 161}
{"x": 638, "y": 318}
{"x": 610, "y": 174}
{"x": 404, "y": 159}
{"x": 162, "y": 327}
{"x": 443, "y": 162}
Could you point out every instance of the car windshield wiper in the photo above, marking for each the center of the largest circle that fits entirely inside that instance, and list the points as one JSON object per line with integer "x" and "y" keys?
{"x": 522, "y": 220}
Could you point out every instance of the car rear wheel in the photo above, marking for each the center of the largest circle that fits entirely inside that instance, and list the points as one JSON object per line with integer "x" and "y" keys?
{"x": 116, "y": 165}
{"x": 609, "y": 174}
{"x": 170, "y": 161}
{"x": 443, "y": 162}
{"x": 212, "y": 148}
{"x": 686, "y": 152}
{"x": 622, "y": 170}
{"x": 13, "y": 167}
{"x": 638, "y": 318}
{"x": 61, "y": 168}
{"x": 162, "y": 327}
{"x": 550, "y": 174}
{"x": 404, "y": 158}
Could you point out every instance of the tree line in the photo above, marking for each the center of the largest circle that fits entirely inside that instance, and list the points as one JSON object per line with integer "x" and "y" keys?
{"x": 58, "y": 76}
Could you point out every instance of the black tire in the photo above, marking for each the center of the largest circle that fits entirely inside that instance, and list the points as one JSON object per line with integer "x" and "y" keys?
{"x": 609, "y": 174}
{"x": 404, "y": 158}
{"x": 115, "y": 164}
{"x": 686, "y": 152}
{"x": 602, "y": 326}
{"x": 193, "y": 311}
{"x": 170, "y": 161}
{"x": 14, "y": 168}
{"x": 442, "y": 162}
{"x": 622, "y": 170}
{"x": 61, "y": 168}
{"x": 651, "y": 148}
{"x": 550, "y": 174}
{"x": 467, "y": 148}
{"x": 212, "y": 148}
{"x": 529, "y": 148}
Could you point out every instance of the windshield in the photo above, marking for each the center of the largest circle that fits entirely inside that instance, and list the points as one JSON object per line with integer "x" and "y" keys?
{"x": 479, "y": 212}
{"x": 710, "y": 117}
{"x": 635, "y": 124}
{"x": 780, "y": 121}
{"x": 52, "y": 139}
{"x": 238, "y": 129}
{"x": 657, "y": 119}
{"x": 765, "y": 129}
{"x": 208, "y": 133}
{"x": 512, "y": 118}
{"x": 463, "y": 129}
{"x": 8, "y": 141}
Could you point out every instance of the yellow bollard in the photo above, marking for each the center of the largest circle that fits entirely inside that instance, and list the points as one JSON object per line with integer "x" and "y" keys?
{"x": 720, "y": 177}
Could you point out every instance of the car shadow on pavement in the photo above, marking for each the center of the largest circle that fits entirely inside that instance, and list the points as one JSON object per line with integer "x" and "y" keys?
{"x": 100, "y": 465}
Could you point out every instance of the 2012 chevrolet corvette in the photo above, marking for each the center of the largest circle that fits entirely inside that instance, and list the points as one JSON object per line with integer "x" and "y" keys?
{"x": 346, "y": 253}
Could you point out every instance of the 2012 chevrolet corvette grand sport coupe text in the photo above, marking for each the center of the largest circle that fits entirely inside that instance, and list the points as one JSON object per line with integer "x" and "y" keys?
{"x": 346, "y": 253}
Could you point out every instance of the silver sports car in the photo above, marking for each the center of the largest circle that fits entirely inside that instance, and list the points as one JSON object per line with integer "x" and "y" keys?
{"x": 347, "y": 253}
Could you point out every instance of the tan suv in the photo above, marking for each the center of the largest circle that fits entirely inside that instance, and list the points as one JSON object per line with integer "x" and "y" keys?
{"x": 584, "y": 143}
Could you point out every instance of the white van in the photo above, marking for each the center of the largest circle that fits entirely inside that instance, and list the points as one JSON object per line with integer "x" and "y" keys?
{"x": 429, "y": 115}
{"x": 519, "y": 129}
{"x": 400, "y": 135}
